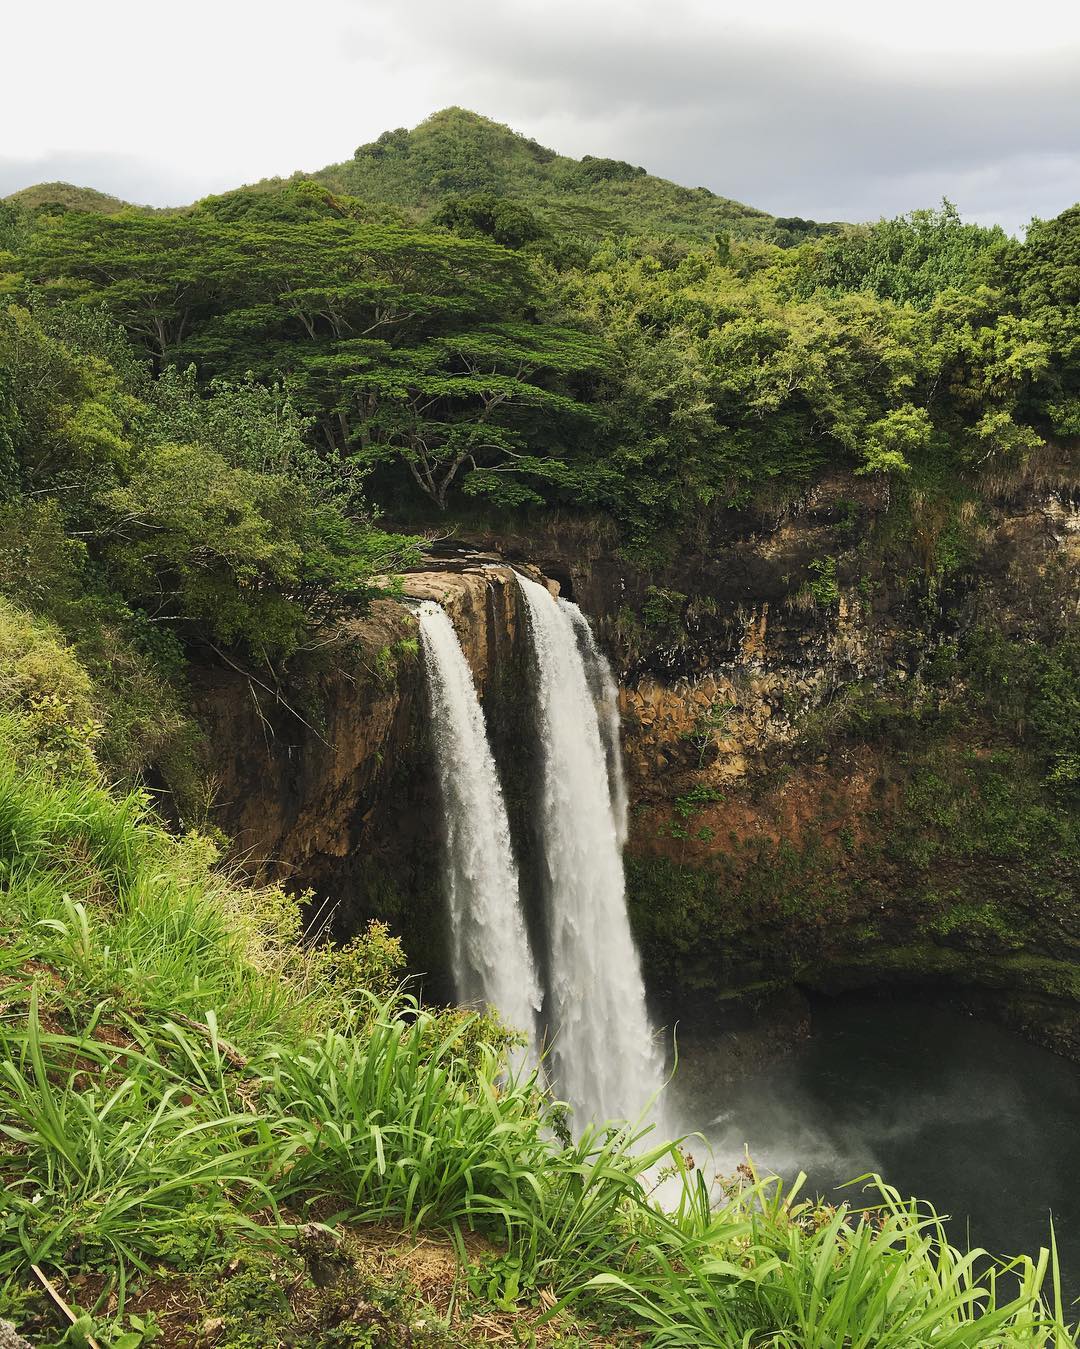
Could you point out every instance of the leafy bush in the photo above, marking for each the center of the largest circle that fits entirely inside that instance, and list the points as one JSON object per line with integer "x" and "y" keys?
{"x": 46, "y": 698}
{"x": 212, "y": 516}
{"x": 486, "y": 215}
{"x": 824, "y": 587}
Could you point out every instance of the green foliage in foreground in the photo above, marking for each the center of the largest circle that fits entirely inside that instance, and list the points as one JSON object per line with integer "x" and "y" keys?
{"x": 181, "y": 1077}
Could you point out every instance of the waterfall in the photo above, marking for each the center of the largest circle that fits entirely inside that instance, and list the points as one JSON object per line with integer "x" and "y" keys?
{"x": 607, "y": 1064}
{"x": 606, "y": 695}
{"x": 490, "y": 954}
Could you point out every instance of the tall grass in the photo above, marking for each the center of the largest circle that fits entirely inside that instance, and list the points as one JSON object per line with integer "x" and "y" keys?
{"x": 119, "y": 908}
{"x": 177, "y": 1075}
{"x": 116, "y": 1159}
{"x": 766, "y": 1268}
{"x": 401, "y": 1123}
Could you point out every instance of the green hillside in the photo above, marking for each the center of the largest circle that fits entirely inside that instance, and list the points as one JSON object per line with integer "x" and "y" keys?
{"x": 458, "y": 153}
{"x": 67, "y": 195}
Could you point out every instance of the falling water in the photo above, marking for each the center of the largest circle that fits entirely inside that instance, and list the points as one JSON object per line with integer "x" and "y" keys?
{"x": 606, "y": 696}
{"x": 491, "y": 958}
{"x": 606, "y": 1062}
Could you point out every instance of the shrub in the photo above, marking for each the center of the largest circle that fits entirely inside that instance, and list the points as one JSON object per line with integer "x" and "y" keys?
{"x": 45, "y": 694}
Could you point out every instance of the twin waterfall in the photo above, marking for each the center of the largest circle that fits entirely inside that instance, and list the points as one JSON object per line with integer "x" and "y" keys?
{"x": 606, "y": 1064}
{"x": 602, "y": 1057}
{"x": 490, "y": 953}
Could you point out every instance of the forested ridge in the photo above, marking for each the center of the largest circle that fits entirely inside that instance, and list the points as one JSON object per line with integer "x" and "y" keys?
{"x": 482, "y": 348}
{"x": 224, "y": 430}
{"x": 204, "y": 411}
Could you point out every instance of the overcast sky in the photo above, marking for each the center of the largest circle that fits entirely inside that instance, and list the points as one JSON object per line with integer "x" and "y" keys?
{"x": 830, "y": 109}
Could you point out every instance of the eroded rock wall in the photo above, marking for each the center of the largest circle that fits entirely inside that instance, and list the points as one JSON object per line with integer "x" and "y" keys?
{"x": 828, "y": 792}
{"x": 326, "y": 782}
{"x": 827, "y": 789}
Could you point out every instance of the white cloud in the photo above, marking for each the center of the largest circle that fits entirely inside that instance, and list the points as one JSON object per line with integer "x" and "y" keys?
{"x": 834, "y": 110}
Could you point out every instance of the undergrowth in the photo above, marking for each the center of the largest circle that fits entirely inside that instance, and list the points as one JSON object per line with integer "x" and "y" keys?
{"x": 189, "y": 1091}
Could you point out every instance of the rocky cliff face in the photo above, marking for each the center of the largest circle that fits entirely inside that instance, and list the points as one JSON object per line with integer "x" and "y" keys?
{"x": 847, "y": 725}
{"x": 842, "y": 720}
{"x": 327, "y": 785}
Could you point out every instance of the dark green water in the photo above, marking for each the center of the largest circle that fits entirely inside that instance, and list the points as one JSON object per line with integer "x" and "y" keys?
{"x": 958, "y": 1111}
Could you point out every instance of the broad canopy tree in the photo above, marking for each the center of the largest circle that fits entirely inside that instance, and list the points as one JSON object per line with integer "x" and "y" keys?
{"x": 651, "y": 378}
{"x": 401, "y": 343}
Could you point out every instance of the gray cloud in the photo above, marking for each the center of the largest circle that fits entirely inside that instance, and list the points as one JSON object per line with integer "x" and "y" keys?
{"x": 828, "y": 123}
{"x": 127, "y": 176}
{"x": 796, "y": 124}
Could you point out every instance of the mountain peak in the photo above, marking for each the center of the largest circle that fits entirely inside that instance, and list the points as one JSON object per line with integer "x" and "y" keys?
{"x": 459, "y": 152}
{"x": 449, "y": 131}
{"x": 68, "y": 196}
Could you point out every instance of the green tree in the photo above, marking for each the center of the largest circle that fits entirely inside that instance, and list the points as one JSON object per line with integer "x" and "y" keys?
{"x": 980, "y": 364}
{"x": 154, "y": 273}
{"x": 895, "y": 439}
{"x": 487, "y": 215}
{"x": 1046, "y": 276}
{"x": 723, "y": 384}
{"x": 208, "y": 512}
{"x": 910, "y": 259}
{"x": 475, "y": 402}
{"x": 68, "y": 418}
{"x": 403, "y": 345}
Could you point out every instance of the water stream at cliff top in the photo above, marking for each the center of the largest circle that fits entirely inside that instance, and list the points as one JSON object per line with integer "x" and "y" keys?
{"x": 491, "y": 958}
{"x": 605, "y": 1058}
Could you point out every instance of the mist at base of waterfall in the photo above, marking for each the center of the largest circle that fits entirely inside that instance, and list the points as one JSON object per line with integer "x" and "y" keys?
{"x": 959, "y": 1111}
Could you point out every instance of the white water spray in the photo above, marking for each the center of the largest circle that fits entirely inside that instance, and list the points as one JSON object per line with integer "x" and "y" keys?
{"x": 607, "y": 1064}
{"x": 490, "y": 954}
